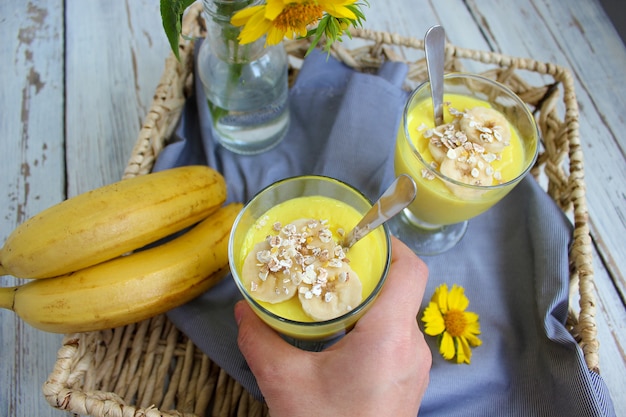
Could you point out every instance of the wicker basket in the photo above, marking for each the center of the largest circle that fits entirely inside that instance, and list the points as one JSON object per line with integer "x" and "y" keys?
{"x": 148, "y": 368}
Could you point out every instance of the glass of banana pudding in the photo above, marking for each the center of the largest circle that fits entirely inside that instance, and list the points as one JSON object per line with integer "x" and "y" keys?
{"x": 485, "y": 146}
{"x": 286, "y": 257}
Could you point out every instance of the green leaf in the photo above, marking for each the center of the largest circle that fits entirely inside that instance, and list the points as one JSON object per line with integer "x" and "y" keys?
{"x": 318, "y": 31}
{"x": 172, "y": 16}
{"x": 360, "y": 16}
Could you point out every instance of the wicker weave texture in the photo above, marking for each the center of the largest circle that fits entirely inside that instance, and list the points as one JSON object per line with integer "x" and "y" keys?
{"x": 152, "y": 369}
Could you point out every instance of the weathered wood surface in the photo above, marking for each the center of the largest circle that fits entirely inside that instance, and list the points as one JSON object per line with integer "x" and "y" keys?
{"x": 78, "y": 77}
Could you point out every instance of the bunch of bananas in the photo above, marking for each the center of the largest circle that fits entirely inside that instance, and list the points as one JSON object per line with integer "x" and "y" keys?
{"x": 88, "y": 260}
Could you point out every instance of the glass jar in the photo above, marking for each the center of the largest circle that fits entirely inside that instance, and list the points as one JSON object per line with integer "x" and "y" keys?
{"x": 246, "y": 85}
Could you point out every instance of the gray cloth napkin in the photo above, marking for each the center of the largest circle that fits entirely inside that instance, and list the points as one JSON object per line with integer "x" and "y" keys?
{"x": 512, "y": 262}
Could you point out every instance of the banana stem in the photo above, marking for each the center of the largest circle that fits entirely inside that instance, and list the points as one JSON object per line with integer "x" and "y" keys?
{"x": 7, "y": 297}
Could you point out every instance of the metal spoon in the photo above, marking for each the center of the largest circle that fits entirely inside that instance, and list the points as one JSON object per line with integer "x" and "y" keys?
{"x": 397, "y": 197}
{"x": 434, "y": 46}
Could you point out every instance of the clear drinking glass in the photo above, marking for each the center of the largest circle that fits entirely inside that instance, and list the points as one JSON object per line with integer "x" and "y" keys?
{"x": 437, "y": 219}
{"x": 375, "y": 249}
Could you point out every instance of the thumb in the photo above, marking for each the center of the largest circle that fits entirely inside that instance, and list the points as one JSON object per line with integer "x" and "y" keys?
{"x": 258, "y": 342}
{"x": 402, "y": 294}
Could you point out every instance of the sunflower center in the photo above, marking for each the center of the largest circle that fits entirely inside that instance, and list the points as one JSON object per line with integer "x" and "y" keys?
{"x": 296, "y": 15}
{"x": 455, "y": 322}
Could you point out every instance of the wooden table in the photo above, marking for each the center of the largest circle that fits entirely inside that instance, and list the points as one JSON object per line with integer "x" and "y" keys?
{"x": 78, "y": 77}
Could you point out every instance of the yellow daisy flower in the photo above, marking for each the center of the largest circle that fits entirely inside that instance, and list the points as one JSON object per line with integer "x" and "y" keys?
{"x": 289, "y": 18}
{"x": 445, "y": 316}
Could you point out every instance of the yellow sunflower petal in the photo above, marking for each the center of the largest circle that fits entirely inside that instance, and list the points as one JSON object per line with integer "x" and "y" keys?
{"x": 433, "y": 320}
{"x": 457, "y": 299}
{"x": 257, "y": 27}
{"x": 441, "y": 288}
{"x": 274, "y": 36}
{"x": 471, "y": 317}
{"x": 434, "y": 328}
{"x": 302, "y": 31}
{"x": 335, "y": 4}
{"x": 440, "y": 296}
{"x": 274, "y": 7}
{"x": 472, "y": 327}
{"x": 337, "y": 9}
{"x": 294, "y": 32}
{"x": 446, "y": 347}
{"x": 242, "y": 16}
{"x": 464, "y": 352}
{"x": 473, "y": 340}
{"x": 432, "y": 311}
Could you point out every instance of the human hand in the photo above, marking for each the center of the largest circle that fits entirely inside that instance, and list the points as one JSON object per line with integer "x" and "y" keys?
{"x": 380, "y": 368}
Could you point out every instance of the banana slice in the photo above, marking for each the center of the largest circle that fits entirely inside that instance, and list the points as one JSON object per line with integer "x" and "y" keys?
{"x": 466, "y": 167}
{"x": 486, "y": 127}
{"x": 439, "y": 138}
{"x": 265, "y": 276}
{"x": 336, "y": 292}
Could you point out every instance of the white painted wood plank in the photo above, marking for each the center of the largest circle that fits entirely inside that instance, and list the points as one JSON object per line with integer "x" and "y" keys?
{"x": 115, "y": 57}
{"x": 33, "y": 178}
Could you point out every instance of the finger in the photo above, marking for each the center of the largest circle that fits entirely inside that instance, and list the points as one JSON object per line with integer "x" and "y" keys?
{"x": 402, "y": 293}
{"x": 258, "y": 342}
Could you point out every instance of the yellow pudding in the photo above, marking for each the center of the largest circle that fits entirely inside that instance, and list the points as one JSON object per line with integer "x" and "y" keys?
{"x": 477, "y": 147}
{"x": 291, "y": 264}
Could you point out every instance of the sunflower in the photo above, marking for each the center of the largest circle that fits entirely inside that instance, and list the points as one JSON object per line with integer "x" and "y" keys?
{"x": 292, "y": 18}
{"x": 457, "y": 329}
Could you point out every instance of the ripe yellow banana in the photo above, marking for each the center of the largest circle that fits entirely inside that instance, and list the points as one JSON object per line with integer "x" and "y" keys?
{"x": 112, "y": 220}
{"x": 130, "y": 288}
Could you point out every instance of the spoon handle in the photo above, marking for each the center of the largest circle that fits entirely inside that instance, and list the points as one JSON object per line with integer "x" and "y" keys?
{"x": 434, "y": 47}
{"x": 397, "y": 197}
